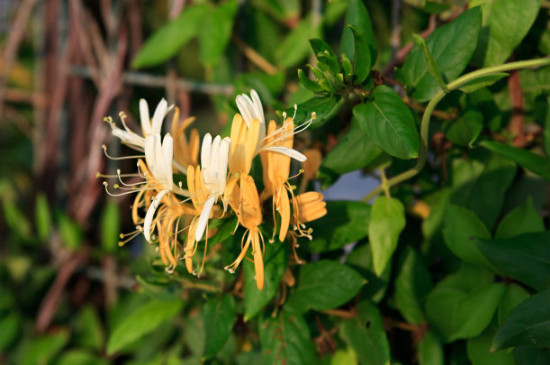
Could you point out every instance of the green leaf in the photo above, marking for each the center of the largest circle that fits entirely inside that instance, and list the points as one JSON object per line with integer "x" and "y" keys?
{"x": 430, "y": 350}
{"x": 358, "y": 16}
{"x": 386, "y": 223}
{"x": 462, "y": 226}
{"x": 513, "y": 296}
{"x": 360, "y": 259}
{"x": 219, "y": 317}
{"x": 170, "y": 38}
{"x": 295, "y": 47}
{"x": 42, "y": 350}
{"x": 110, "y": 226}
{"x": 483, "y": 187}
{"x": 43, "y": 217}
{"x": 308, "y": 83}
{"x": 324, "y": 107}
{"x": 481, "y": 82}
{"x": 355, "y": 150}
{"x": 324, "y": 285}
{"x": 366, "y": 335}
{"x": 528, "y": 324}
{"x": 465, "y": 130}
{"x": 505, "y": 24}
{"x": 215, "y": 31}
{"x": 546, "y": 132}
{"x": 525, "y": 257}
{"x": 80, "y": 357}
{"x": 345, "y": 222}
{"x": 286, "y": 340}
{"x": 531, "y": 355}
{"x": 532, "y": 162}
{"x": 389, "y": 123}
{"x": 430, "y": 62}
{"x": 463, "y": 304}
{"x": 70, "y": 232}
{"x": 275, "y": 264}
{"x": 412, "y": 285}
{"x": 140, "y": 322}
{"x": 10, "y": 328}
{"x": 347, "y": 67}
{"x": 88, "y": 329}
{"x": 363, "y": 55}
{"x": 479, "y": 351}
{"x": 451, "y": 47}
{"x": 327, "y": 60}
{"x": 523, "y": 219}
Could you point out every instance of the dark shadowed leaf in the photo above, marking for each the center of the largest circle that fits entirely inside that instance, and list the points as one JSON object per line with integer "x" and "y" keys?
{"x": 366, "y": 335}
{"x": 275, "y": 264}
{"x": 219, "y": 317}
{"x": 532, "y": 162}
{"x": 325, "y": 285}
{"x": 286, "y": 340}
{"x": 528, "y": 324}
{"x": 345, "y": 222}
{"x": 525, "y": 257}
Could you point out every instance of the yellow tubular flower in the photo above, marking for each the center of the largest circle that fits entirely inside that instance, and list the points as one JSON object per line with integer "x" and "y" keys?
{"x": 244, "y": 139}
{"x": 276, "y": 168}
{"x": 199, "y": 195}
{"x": 186, "y": 152}
{"x": 246, "y": 203}
{"x": 308, "y": 207}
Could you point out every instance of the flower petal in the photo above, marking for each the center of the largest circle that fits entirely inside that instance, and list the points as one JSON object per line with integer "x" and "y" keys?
{"x": 158, "y": 117}
{"x": 292, "y": 153}
{"x": 144, "y": 115}
{"x": 203, "y": 219}
{"x": 151, "y": 213}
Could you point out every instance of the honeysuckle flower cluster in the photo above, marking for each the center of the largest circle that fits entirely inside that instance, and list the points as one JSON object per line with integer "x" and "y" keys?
{"x": 175, "y": 215}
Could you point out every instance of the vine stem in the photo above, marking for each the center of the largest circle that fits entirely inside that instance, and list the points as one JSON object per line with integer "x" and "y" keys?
{"x": 425, "y": 123}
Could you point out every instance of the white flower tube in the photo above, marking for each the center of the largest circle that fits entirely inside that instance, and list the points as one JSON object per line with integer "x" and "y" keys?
{"x": 214, "y": 158}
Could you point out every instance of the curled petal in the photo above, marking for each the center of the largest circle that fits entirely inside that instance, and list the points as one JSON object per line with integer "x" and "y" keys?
{"x": 292, "y": 153}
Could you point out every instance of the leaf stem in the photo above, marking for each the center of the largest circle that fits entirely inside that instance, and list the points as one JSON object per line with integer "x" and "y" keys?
{"x": 425, "y": 123}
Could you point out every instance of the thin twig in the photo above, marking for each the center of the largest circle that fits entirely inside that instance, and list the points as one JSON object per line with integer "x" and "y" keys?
{"x": 15, "y": 35}
{"x": 49, "y": 305}
{"x": 143, "y": 79}
{"x": 254, "y": 56}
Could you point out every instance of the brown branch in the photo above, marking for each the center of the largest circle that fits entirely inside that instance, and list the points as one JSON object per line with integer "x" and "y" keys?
{"x": 51, "y": 300}
{"x": 143, "y": 79}
{"x": 517, "y": 122}
{"x": 15, "y": 35}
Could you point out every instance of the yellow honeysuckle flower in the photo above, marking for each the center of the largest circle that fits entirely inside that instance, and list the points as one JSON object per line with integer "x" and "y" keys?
{"x": 245, "y": 201}
{"x": 199, "y": 195}
{"x": 309, "y": 207}
{"x": 276, "y": 169}
{"x": 186, "y": 152}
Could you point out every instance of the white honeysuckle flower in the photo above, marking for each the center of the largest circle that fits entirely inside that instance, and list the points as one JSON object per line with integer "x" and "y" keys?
{"x": 251, "y": 108}
{"x": 159, "y": 160}
{"x": 149, "y": 126}
{"x": 214, "y": 159}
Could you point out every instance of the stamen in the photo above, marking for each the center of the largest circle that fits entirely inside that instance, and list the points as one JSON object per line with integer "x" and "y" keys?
{"x": 119, "y": 158}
